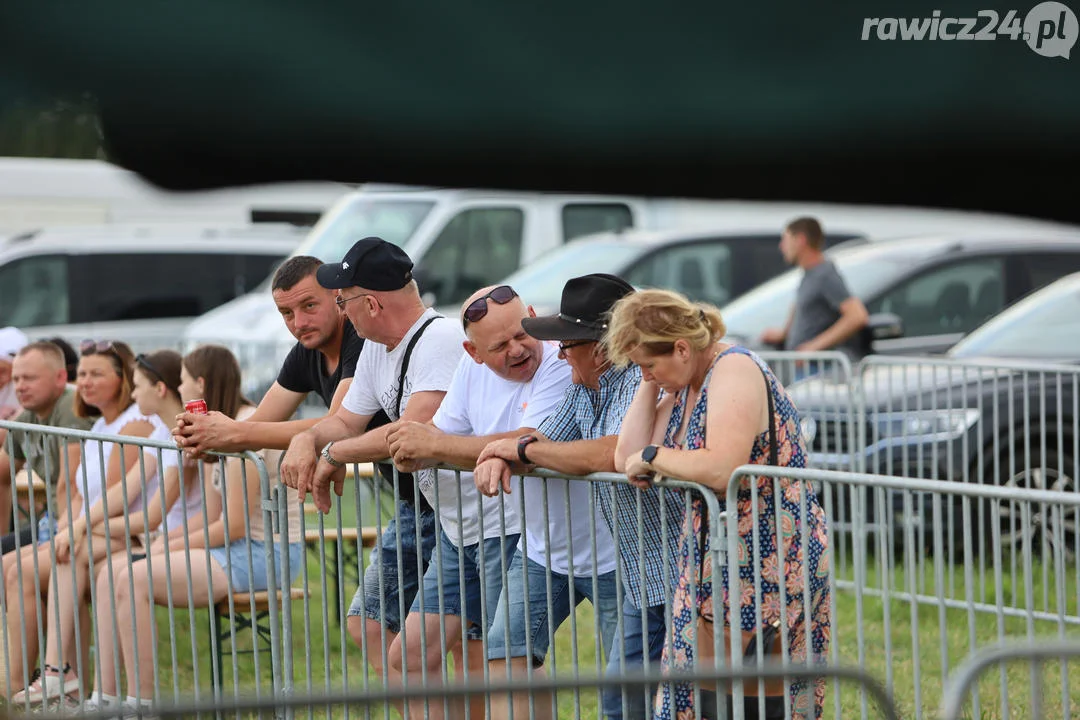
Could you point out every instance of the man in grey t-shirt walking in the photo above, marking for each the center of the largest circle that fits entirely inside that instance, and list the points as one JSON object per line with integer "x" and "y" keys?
{"x": 825, "y": 314}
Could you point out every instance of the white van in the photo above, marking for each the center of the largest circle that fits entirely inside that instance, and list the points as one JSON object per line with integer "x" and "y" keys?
{"x": 47, "y": 192}
{"x": 461, "y": 240}
{"x": 138, "y": 283}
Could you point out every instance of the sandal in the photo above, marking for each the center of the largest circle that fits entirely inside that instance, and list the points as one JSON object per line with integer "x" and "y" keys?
{"x": 50, "y": 685}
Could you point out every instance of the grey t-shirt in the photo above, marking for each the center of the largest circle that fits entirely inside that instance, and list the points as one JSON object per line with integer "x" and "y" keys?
{"x": 817, "y": 303}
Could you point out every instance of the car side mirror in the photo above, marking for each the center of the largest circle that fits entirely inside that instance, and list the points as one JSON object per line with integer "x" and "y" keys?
{"x": 885, "y": 326}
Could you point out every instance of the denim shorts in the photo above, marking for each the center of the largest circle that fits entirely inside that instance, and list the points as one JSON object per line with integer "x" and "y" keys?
{"x": 46, "y": 527}
{"x": 382, "y": 596}
{"x": 234, "y": 561}
{"x": 526, "y": 592}
{"x": 443, "y": 578}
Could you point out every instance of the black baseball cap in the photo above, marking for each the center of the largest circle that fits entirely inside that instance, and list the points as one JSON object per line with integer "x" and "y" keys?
{"x": 372, "y": 263}
{"x": 583, "y": 313}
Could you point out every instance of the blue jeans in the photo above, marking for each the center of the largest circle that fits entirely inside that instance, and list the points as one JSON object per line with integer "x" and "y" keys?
{"x": 382, "y": 595}
{"x": 628, "y": 655}
{"x": 234, "y": 561}
{"x": 443, "y": 581}
{"x": 526, "y": 591}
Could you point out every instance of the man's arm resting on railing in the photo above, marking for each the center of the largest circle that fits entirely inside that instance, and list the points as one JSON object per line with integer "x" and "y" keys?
{"x": 576, "y": 457}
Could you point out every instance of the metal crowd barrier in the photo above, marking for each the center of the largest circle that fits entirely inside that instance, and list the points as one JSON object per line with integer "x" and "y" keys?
{"x": 198, "y": 672}
{"x": 1035, "y": 598}
{"x": 965, "y": 679}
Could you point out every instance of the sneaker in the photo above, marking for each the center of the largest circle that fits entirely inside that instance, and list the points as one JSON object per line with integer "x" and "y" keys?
{"x": 97, "y": 704}
{"x": 53, "y": 684}
{"x": 130, "y": 710}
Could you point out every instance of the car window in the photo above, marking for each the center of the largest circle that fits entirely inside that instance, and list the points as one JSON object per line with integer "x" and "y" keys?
{"x": 586, "y": 218}
{"x": 1043, "y": 326}
{"x": 1045, "y": 268}
{"x": 34, "y": 291}
{"x": 478, "y": 247}
{"x": 701, "y": 271}
{"x": 132, "y": 286}
{"x": 954, "y": 298}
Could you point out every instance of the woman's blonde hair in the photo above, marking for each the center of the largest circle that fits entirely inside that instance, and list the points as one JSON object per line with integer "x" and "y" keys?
{"x": 652, "y": 320}
{"x": 123, "y": 360}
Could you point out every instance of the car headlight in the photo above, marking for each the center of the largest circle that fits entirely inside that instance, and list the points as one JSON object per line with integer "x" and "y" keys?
{"x": 928, "y": 424}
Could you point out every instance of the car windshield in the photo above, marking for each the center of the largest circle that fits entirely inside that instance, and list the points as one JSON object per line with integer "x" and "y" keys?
{"x": 1044, "y": 326}
{"x": 867, "y": 269}
{"x": 540, "y": 284}
{"x": 359, "y": 216}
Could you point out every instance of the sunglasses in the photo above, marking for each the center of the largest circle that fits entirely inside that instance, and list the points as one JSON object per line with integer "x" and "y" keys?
{"x": 89, "y": 347}
{"x": 479, "y": 308}
{"x": 340, "y": 301}
{"x": 142, "y": 361}
{"x": 564, "y": 346}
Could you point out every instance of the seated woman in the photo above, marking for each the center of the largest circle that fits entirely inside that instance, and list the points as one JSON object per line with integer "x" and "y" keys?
{"x": 673, "y": 430}
{"x": 212, "y": 373}
{"x": 105, "y": 383}
{"x": 157, "y": 392}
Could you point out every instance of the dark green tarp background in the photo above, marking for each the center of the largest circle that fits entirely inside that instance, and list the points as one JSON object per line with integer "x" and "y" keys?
{"x": 771, "y": 100}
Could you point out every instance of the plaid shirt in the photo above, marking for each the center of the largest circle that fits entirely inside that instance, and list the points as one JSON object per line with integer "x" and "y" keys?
{"x": 588, "y": 414}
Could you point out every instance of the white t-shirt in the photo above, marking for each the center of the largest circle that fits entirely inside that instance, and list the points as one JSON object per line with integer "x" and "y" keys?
{"x": 479, "y": 403}
{"x": 188, "y": 504}
{"x": 97, "y": 455}
{"x": 434, "y": 358}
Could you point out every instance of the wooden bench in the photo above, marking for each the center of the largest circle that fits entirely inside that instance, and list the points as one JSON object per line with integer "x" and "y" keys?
{"x": 242, "y": 617}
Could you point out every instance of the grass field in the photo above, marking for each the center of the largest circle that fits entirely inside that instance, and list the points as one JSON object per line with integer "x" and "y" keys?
{"x": 915, "y": 656}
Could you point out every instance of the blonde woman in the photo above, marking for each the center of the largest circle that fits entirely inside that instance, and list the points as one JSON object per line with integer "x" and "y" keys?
{"x": 702, "y": 410}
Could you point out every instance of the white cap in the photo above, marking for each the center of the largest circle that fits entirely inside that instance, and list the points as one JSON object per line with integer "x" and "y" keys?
{"x": 12, "y": 340}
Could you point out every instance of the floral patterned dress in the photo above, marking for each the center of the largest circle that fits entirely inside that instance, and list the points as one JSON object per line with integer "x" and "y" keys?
{"x": 676, "y": 701}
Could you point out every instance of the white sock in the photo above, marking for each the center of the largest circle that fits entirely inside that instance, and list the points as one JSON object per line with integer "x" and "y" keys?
{"x": 104, "y": 700}
{"x": 130, "y": 700}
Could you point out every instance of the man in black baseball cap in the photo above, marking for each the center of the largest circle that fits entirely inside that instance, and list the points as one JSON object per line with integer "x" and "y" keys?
{"x": 372, "y": 264}
{"x": 578, "y": 439}
{"x": 403, "y": 372}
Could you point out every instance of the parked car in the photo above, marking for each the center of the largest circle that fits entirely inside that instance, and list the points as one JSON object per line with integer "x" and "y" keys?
{"x": 138, "y": 283}
{"x": 999, "y": 409}
{"x": 925, "y": 293}
{"x": 462, "y": 240}
{"x": 707, "y": 266}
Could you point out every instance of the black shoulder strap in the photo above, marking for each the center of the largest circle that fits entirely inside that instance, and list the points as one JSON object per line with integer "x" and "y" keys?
{"x": 405, "y": 362}
{"x": 774, "y": 460}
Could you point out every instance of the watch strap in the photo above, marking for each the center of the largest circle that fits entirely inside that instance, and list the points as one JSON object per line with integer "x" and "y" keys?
{"x": 523, "y": 442}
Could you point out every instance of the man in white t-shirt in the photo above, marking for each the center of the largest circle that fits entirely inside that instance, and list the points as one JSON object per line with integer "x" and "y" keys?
{"x": 377, "y": 292}
{"x": 505, "y": 388}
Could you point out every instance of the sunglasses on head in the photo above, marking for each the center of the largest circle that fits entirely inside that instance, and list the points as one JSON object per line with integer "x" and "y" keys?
{"x": 142, "y": 361}
{"x": 89, "y": 347}
{"x": 479, "y": 308}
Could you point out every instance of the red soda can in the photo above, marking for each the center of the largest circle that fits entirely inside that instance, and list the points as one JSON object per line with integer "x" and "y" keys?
{"x": 196, "y": 407}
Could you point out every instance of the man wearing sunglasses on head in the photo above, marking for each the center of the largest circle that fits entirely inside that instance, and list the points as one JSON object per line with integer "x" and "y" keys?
{"x": 504, "y": 388}
{"x": 323, "y": 361}
{"x": 579, "y": 438}
{"x": 404, "y": 370}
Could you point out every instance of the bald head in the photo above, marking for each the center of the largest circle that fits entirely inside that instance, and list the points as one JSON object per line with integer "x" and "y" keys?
{"x": 498, "y": 340}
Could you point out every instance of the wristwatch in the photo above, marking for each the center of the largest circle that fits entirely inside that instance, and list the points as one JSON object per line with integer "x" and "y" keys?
{"x": 523, "y": 442}
{"x": 330, "y": 458}
{"x": 648, "y": 453}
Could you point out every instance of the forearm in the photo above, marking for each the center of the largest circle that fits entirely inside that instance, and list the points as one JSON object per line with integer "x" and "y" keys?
{"x": 369, "y": 446}
{"x": 580, "y": 457}
{"x": 837, "y": 333}
{"x": 269, "y": 435}
{"x": 333, "y": 428}
{"x": 463, "y": 450}
{"x": 696, "y": 466}
{"x": 637, "y": 427}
